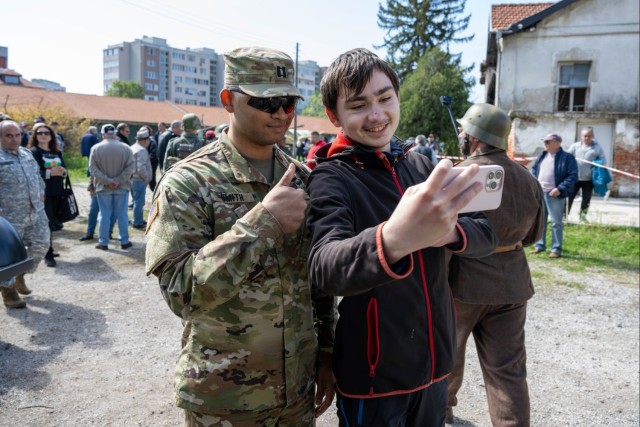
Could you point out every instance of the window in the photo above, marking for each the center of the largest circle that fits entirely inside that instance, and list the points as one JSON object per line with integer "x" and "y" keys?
{"x": 11, "y": 80}
{"x": 573, "y": 86}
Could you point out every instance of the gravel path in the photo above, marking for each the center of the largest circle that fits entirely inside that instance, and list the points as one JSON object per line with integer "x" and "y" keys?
{"x": 97, "y": 346}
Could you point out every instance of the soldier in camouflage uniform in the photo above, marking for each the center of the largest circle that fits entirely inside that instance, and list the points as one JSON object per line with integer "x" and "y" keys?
{"x": 22, "y": 204}
{"x": 227, "y": 242}
{"x": 188, "y": 142}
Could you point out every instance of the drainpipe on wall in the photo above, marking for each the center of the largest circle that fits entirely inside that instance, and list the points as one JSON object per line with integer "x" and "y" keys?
{"x": 498, "y": 66}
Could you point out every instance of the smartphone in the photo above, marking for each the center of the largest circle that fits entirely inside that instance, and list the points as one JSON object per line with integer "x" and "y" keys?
{"x": 492, "y": 179}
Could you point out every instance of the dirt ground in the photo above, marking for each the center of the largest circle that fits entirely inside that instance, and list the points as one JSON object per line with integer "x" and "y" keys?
{"x": 97, "y": 345}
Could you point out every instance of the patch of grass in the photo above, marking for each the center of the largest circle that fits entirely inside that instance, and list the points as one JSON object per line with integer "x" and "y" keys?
{"x": 543, "y": 275}
{"x": 608, "y": 248}
{"x": 77, "y": 168}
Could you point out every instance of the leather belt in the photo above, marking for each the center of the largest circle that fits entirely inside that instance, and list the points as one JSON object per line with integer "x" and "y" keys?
{"x": 508, "y": 248}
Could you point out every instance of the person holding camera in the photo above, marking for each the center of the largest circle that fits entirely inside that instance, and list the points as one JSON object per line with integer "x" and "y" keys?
{"x": 395, "y": 337}
{"x": 491, "y": 293}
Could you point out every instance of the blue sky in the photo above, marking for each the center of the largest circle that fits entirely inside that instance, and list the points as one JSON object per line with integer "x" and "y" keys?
{"x": 63, "y": 40}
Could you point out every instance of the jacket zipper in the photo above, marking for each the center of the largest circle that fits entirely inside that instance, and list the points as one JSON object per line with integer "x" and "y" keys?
{"x": 373, "y": 338}
{"x": 423, "y": 273}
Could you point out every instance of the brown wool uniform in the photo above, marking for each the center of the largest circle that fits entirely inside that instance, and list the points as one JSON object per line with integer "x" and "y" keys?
{"x": 491, "y": 293}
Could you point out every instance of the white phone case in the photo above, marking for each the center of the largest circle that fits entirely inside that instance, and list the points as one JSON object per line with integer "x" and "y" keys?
{"x": 492, "y": 179}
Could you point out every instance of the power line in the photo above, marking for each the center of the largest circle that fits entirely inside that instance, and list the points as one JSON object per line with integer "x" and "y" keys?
{"x": 197, "y": 21}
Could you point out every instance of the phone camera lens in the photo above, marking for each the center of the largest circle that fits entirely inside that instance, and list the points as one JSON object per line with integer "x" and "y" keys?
{"x": 491, "y": 175}
{"x": 499, "y": 175}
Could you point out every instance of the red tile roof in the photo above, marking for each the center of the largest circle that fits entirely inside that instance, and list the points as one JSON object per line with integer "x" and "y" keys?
{"x": 504, "y": 15}
{"x": 111, "y": 109}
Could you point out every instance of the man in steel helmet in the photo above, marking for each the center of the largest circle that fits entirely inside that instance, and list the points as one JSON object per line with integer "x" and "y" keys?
{"x": 491, "y": 293}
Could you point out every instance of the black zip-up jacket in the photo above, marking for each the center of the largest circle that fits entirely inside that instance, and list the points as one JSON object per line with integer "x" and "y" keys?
{"x": 396, "y": 330}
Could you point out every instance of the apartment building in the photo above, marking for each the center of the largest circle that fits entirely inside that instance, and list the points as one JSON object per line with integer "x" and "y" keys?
{"x": 49, "y": 85}
{"x": 308, "y": 80}
{"x": 184, "y": 76}
{"x": 4, "y": 57}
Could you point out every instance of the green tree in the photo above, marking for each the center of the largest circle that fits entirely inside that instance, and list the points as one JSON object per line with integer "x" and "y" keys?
{"x": 128, "y": 89}
{"x": 413, "y": 26}
{"x": 421, "y": 112}
{"x": 315, "y": 108}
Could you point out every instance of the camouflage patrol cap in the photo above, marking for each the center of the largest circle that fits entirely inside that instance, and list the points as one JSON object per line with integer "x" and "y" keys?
{"x": 260, "y": 72}
{"x": 190, "y": 122}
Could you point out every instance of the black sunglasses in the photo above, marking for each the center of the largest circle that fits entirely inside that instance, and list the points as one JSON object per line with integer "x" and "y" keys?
{"x": 270, "y": 105}
{"x": 43, "y": 132}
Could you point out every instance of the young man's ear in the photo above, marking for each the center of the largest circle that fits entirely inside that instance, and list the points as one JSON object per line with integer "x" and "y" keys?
{"x": 332, "y": 117}
{"x": 227, "y": 100}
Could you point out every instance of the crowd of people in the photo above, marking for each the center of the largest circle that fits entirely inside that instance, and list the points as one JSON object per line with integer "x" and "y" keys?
{"x": 252, "y": 245}
{"x": 116, "y": 169}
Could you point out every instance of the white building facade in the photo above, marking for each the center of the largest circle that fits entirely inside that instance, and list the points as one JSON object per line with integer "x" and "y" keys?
{"x": 572, "y": 65}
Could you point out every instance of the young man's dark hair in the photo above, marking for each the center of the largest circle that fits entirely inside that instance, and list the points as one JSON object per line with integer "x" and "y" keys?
{"x": 351, "y": 72}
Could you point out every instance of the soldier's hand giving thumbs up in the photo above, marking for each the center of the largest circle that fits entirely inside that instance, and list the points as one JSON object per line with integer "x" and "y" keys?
{"x": 287, "y": 204}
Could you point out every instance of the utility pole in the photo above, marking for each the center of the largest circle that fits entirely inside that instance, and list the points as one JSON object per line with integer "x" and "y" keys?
{"x": 295, "y": 111}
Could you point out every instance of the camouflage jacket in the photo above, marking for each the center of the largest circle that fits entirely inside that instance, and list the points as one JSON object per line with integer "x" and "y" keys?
{"x": 181, "y": 147}
{"x": 238, "y": 283}
{"x": 19, "y": 170}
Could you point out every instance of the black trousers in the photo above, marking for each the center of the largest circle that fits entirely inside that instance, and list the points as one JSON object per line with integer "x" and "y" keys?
{"x": 51, "y": 208}
{"x": 423, "y": 408}
{"x": 587, "y": 191}
{"x": 152, "y": 183}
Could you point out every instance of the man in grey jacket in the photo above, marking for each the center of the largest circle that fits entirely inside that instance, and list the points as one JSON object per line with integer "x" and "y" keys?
{"x": 585, "y": 149}
{"x": 111, "y": 166}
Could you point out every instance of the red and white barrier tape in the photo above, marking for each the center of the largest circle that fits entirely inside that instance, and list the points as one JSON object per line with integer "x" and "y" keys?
{"x": 529, "y": 159}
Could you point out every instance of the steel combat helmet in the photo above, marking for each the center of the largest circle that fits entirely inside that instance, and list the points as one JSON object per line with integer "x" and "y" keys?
{"x": 488, "y": 123}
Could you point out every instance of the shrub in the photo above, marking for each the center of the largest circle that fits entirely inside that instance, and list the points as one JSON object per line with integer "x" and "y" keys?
{"x": 71, "y": 127}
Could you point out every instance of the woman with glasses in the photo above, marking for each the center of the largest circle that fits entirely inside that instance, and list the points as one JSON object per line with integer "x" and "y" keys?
{"x": 44, "y": 147}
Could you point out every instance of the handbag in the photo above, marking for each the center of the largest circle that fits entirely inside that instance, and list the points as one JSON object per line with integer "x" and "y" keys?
{"x": 68, "y": 207}
{"x": 600, "y": 177}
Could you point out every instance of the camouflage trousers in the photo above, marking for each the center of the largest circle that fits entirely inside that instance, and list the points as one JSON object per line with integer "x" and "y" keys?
{"x": 33, "y": 228}
{"x": 298, "y": 414}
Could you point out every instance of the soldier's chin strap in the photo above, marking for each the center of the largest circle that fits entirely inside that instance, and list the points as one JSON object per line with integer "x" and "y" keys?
{"x": 464, "y": 145}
